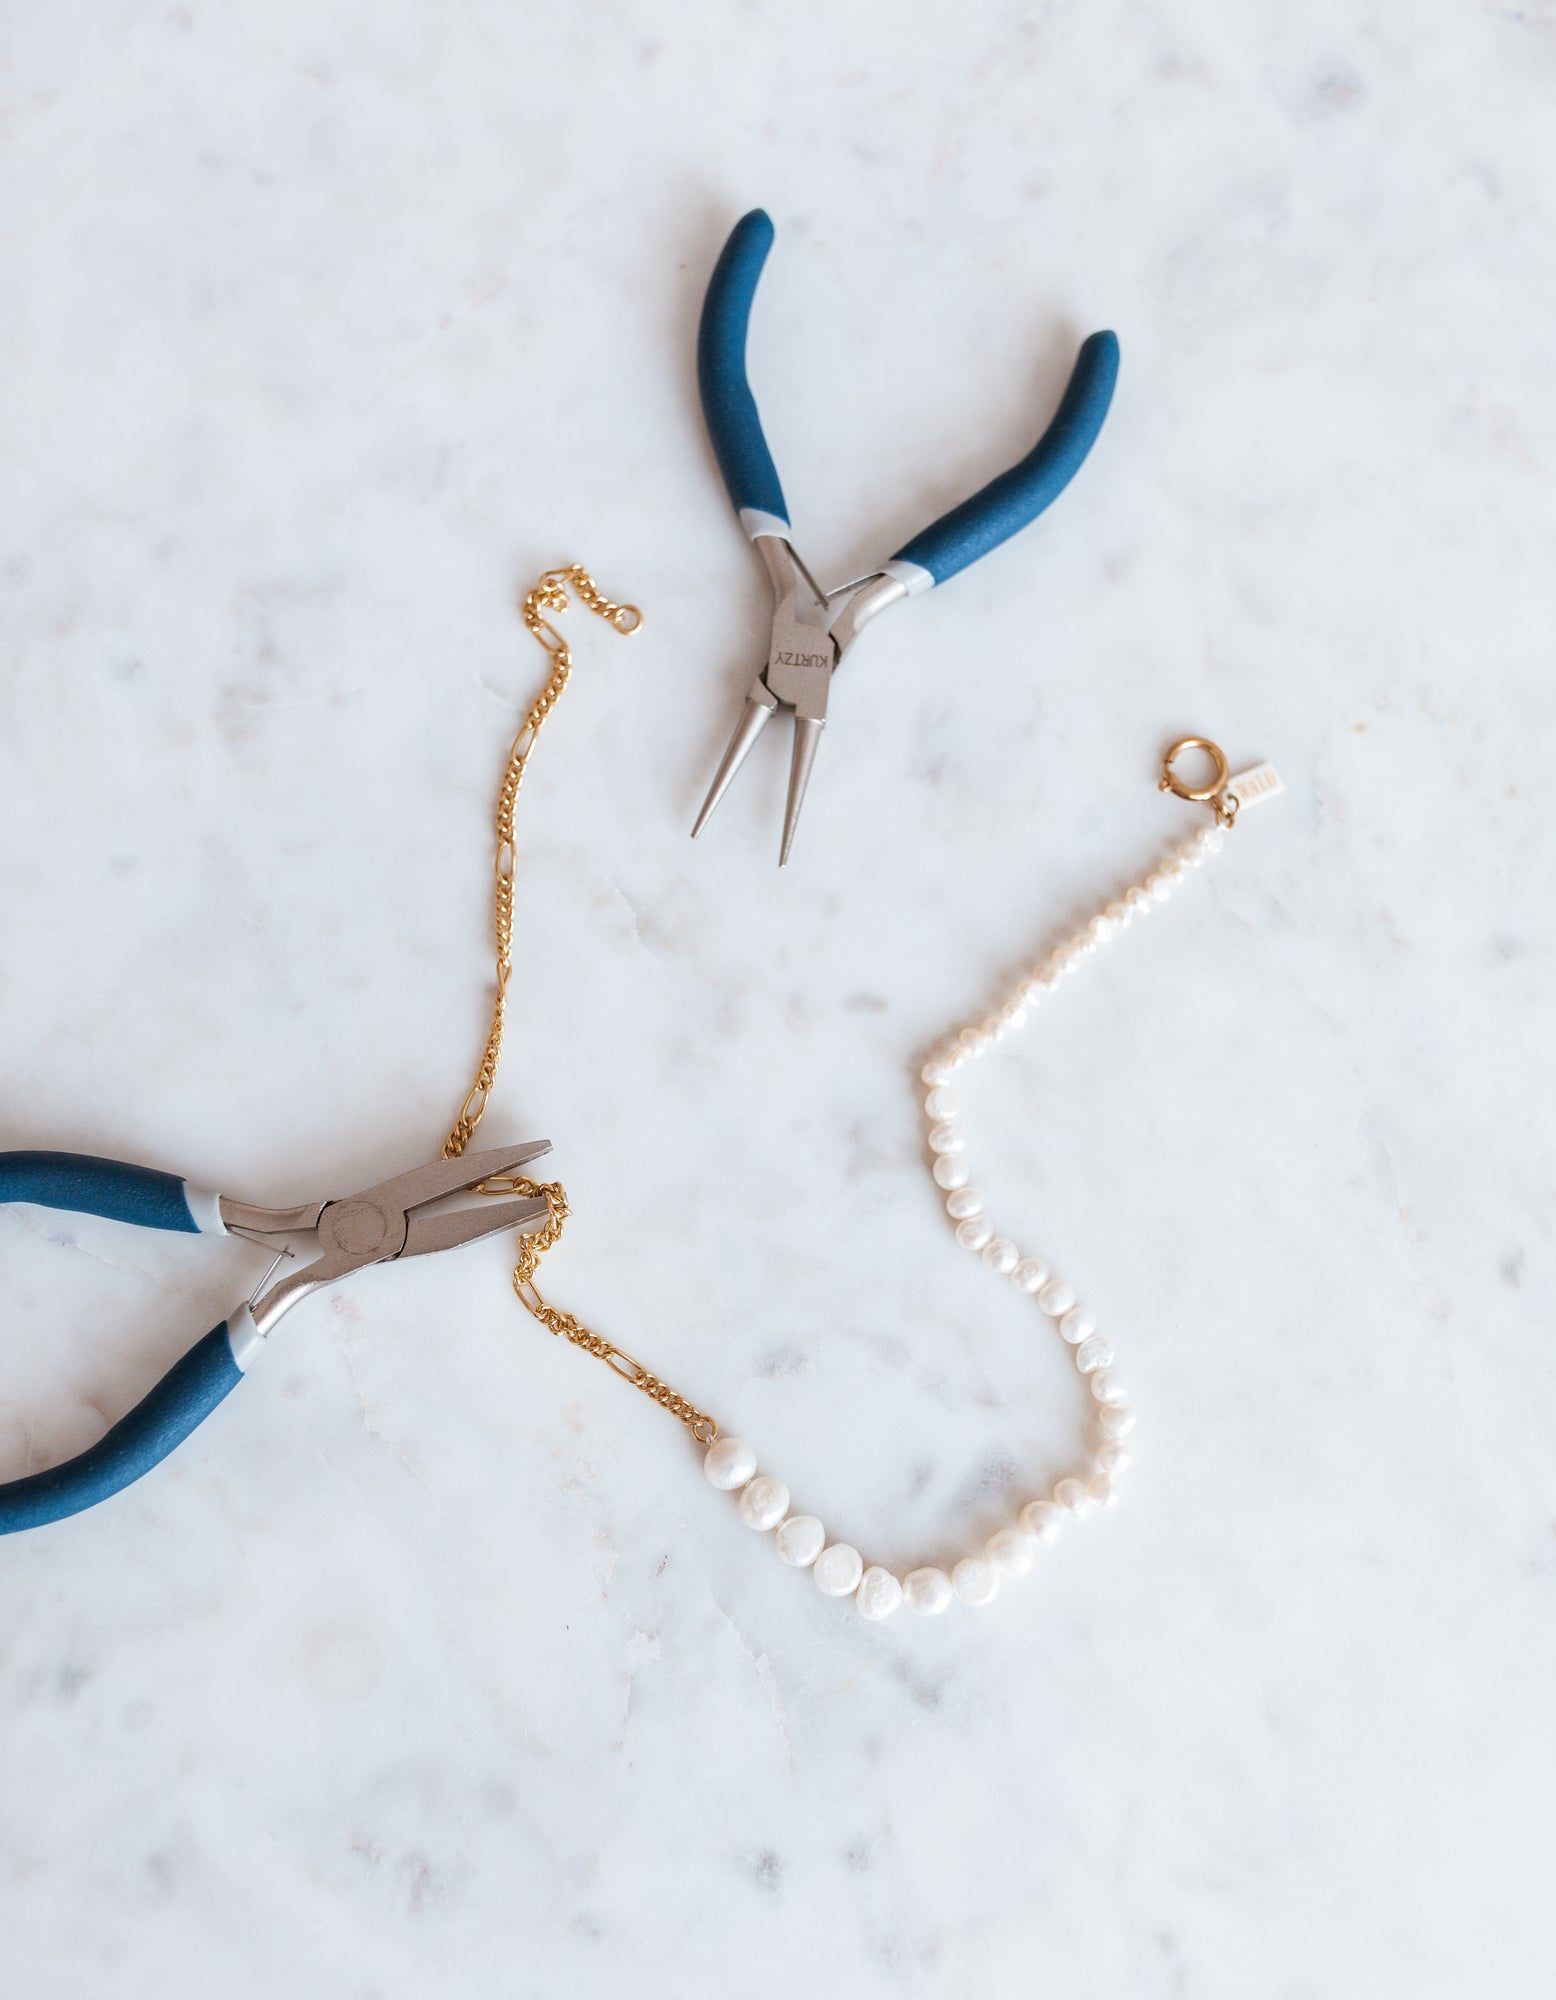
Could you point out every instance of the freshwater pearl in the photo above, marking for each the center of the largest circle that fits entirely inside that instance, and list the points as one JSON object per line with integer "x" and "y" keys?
{"x": 945, "y": 1139}
{"x": 1013, "y": 1014}
{"x": 1108, "y": 1386}
{"x": 950, "y": 1171}
{"x": 940, "y": 1103}
{"x": 1210, "y": 839}
{"x": 962, "y": 1202}
{"x": 1093, "y": 1354}
{"x": 928, "y": 1591}
{"x": 1102, "y": 1490}
{"x": 1118, "y": 914}
{"x": 1138, "y": 901}
{"x": 800, "y": 1540}
{"x": 1010, "y": 1551}
{"x": 1030, "y": 1275}
{"x": 974, "y": 1232}
{"x": 974, "y": 1580}
{"x": 935, "y": 1071}
{"x": 1042, "y": 1520}
{"x": 1158, "y": 886}
{"x": 764, "y": 1502}
{"x": 729, "y": 1464}
{"x": 1072, "y": 1496}
{"x": 1077, "y": 1324}
{"x": 1001, "y": 1256}
{"x": 838, "y": 1570}
{"x": 1117, "y": 1419}
{"x": 1057, "y": 1297}
{"x": 879, "y": 1593}
{"x": 1100, "y": 929}
{"x": 972, "y": 1041}
{"x": 1113, "y": 1455}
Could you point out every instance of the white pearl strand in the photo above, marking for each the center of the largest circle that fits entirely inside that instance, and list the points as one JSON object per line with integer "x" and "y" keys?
{"x": 1011, "y": 1551}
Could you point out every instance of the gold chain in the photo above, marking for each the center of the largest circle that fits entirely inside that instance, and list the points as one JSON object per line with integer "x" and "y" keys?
{"x": 549, "y": 595}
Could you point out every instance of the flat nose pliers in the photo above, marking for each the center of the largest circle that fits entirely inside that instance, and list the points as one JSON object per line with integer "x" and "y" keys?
{"x": 813, "y": 629}
{"x": 392, "y": 1220}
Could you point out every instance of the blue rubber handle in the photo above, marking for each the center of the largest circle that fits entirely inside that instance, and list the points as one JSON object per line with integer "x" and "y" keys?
{"x": 185, "y": 1396}
{"x": 97, "y": 1187}
{"x": 1018, "y": 496}
{"x": 728, "y": 407}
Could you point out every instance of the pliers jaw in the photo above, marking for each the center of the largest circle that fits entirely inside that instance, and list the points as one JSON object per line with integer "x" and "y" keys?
{"x": 402, "y": 1217}
{"x": 801, "y": 654}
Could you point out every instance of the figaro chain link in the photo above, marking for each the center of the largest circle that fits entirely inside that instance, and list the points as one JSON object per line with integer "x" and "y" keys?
{"x": 549, "y": 595}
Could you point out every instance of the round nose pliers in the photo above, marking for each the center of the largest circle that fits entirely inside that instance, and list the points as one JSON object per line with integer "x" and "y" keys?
{"x": 812, "y": 629}
{"x": 392, "y": 1220}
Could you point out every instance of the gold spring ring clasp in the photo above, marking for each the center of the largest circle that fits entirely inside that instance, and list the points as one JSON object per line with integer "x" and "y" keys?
{"x": 1214, "y": 793}
{"x": 1201, "y": 794}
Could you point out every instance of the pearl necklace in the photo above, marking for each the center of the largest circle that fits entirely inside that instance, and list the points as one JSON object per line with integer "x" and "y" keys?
{"x": 729, "y": 1462}
{"x": 763, "y": 1499}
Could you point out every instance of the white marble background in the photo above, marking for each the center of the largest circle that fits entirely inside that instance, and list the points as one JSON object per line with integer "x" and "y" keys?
{"x": 433, "y": 1666}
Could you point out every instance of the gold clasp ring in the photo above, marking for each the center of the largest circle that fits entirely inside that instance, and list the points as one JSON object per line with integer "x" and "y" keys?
{"x": 1201, "y": 794}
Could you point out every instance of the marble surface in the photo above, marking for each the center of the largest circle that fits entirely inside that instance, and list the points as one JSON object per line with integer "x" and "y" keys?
{"x": 433, "y": 1666}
